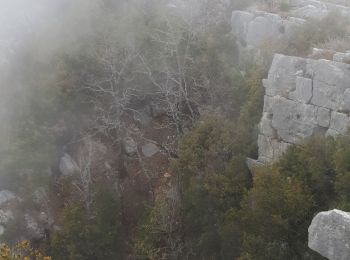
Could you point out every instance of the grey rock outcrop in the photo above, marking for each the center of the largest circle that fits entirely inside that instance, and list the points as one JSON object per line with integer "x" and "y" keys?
{"x": 342, "y": 57}
{"x": 329, "y": 234}
{"x": 303, "y": 97}
{"x": 130, "y": 145}
{"x": 259, "y": 31}
{"x": 68, "y": 166}
{"x": 149, "y": 149}
{"x": 255, "y": 28}
{"x": 6, "y": 197}
{"x": 316, "y": 9}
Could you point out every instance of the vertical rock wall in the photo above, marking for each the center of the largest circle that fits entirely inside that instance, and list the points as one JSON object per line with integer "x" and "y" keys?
{"x": 303, "y": 97}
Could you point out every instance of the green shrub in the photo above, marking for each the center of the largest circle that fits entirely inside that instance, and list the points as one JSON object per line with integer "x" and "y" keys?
{"x": 284, "y": 6}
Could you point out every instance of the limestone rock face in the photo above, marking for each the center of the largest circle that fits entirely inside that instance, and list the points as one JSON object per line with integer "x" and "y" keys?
{"x": 303, "y": 97}
{"x": 254, "y": 29}
{"x": 329, "y": 234}
{"x": 258, "y": 31}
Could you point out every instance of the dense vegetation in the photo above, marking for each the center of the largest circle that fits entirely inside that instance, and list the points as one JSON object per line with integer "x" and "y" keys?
{"x": 207, "y": 205}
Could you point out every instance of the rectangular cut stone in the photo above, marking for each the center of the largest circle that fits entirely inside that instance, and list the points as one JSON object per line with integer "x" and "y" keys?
{"x": 303, "y": 90}
{"x": 345, "y": 104}
{"x": 282, "y": 75}
{"x": 323, "y": 116}
{"x": 330, "y": 80}
{"x": 339, "y": 122}
{"x": 293, "y": 121}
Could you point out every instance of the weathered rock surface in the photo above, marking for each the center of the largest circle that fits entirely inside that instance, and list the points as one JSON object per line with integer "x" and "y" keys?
{"x": 254, "y": 29}
{"x": 149, "y": 149}
{"x": 329, "y": 234}
{"x": 303, "y": 97}
{"x": 318, "y": 9}
{"x": 130, "y": 145}
{"x": 257, "y": 30}
{"x": 342, "y": 57}
{"x": 6, "y": 197}
{"x": 68, "y": 166}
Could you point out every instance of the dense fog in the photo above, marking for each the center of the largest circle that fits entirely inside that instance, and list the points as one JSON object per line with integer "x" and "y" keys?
{"x": 174, "y": 129}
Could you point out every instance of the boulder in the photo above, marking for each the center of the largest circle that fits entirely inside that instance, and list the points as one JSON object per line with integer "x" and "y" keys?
{"x": 329, "y": 234}
{"x": 68, "y": 166}
{"x": 130, "y": 145}
{"x": 6, "y": 197}
{"x": 240, "y": 21}
{"x": 264, "y": 28}
{"x": 254, "y": 29}
{"x": 149, "y": 149}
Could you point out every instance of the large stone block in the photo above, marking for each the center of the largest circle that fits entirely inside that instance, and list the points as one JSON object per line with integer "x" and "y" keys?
{"x": 293, "y": 121}
{"x": 303, "y": 92}
{"x": 323, "y": 117}
{"x": 329, "y": 234}
{"x": 240, "y": 21}
{"x": 339, "y": 122}
{"x": 282, "y": 75}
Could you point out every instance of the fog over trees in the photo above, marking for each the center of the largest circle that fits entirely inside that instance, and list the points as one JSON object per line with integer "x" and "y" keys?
{"x": 134, "y": 129}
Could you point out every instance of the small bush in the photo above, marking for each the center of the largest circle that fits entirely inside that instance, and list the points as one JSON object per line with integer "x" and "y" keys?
{"x": 315, "y": 32}
{"x": 284, "y": 6}
{"x": 340, "y": 44}
{"x": 21, "y": 251}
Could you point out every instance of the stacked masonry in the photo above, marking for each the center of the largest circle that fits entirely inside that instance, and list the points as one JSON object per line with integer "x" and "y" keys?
{"x": 258, "y": 29}
{"x": 303, "y": 97}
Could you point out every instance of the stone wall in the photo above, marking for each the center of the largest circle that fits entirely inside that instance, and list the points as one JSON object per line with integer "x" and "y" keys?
{"x": 303, "y": 97}
{"x": 256, "y": 29}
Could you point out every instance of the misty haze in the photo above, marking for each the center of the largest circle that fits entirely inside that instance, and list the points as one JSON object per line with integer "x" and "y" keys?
{"x": 174, "y": 129}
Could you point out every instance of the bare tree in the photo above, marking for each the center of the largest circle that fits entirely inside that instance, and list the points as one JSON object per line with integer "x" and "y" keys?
{"x": 84, "y": 182}
{"x": 110, "y": 87}
{"x": 176, "y": 87}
